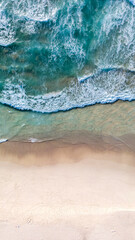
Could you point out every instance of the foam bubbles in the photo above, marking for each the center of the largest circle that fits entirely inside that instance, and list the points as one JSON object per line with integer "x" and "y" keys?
{"x": 7, "y": 33}
{"x": 104, "y": 87}
{"x": 3, "y": 140}
{"x": 70, "y": 36}
{"x": 132, "y": 1}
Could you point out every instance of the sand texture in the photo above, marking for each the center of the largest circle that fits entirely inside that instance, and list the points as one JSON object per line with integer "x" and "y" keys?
{"x": 66, "y": 192}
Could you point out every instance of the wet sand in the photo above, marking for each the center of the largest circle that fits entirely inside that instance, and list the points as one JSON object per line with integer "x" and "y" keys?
{"x": 56, "y": 191}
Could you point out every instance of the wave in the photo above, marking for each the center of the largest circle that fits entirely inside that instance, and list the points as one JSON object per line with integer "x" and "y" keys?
{"x": 132, "y": 1}
{"x": 105, "y": 87}
{"x": 67, "y": 54}
{"x": 3, "y": 140}
{"x": 7, "y": 33}
{"x": 6, "y": 43}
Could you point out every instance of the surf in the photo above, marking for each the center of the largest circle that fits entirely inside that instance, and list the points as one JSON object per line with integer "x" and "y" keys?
{"x": 56, "y": 56}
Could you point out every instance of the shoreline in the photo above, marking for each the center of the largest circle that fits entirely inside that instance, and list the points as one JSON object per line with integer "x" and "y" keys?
{"x": 77, "y": 144}
{"x": 50, "y": 190}
{"x": 88, "y": 125}
{"x": 54, "y": 151}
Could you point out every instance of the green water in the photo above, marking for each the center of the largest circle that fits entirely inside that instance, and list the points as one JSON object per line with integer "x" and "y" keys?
{"x": 76, "y": 125}
{"x": 61, "y": 55}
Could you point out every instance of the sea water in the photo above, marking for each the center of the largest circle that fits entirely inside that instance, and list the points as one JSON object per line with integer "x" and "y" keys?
{"x": 61, "y": 55}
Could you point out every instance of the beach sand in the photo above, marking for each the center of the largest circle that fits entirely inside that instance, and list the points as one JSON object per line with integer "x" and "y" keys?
{"x": 58, "y": 191}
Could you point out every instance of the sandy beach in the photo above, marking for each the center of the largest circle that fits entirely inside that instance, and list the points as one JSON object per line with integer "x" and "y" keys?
{"x": 52, "y": 191}
{"x": 67, "y": 120}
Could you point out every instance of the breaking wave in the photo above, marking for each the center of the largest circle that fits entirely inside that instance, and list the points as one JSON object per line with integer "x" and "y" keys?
{"x": 59, "y": 55}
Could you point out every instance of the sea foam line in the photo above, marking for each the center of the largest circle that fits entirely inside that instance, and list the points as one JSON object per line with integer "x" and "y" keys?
{"x": 107, "y": 86}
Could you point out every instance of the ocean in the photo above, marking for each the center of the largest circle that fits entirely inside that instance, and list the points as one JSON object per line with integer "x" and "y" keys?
{"x": 63, "y": 65}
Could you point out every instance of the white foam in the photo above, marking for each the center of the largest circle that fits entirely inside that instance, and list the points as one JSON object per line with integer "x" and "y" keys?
{"x": 132, "y": 1}
{"x": 106, "y": 87}
{"x": 103, "y": 88}
{"x": 3, "y": 140}
{"x": 118, "y": 30}
{"x": 34, "y": 140}
{"x": 7, "y": 32}
{"x": 35, "y": 11}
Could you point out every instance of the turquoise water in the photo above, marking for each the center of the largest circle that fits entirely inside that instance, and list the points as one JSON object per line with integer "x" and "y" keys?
{"x": 78, "y": 125}
{"x": 58, "y": 55}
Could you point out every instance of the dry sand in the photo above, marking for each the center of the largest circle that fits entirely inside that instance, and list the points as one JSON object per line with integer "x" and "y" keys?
{"x": 66, "y": 192}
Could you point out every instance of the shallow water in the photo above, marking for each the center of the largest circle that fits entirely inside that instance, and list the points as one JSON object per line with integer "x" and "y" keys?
{"x": 75, "y": 126}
